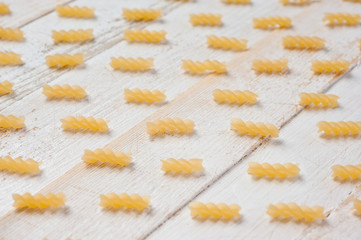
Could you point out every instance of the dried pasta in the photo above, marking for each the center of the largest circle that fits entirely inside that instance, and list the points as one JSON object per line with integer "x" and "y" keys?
{"x": 83, "y": 123}
{"x": 141, "y": 14}
{"x": 75, "y": 12}
{"x": 10, "y": 58}
{"x": 270, "y": 66}
{"x": 349, "y": 19}
{"x": 197, "y": 67}
{"x": 236, "y": 96}
{"x": 132, "y": 64}
{"x": 298, "y": 212}
{"x": 182, "y": 166}
{"x": 276, "y": 170}
{"x": 226, "y": 43}
{"x": 170, "y": 125}
{"x": 107, "y": 155}
{"x": 4, "y": 9}
{"x": 330, "y": 66}
{"x": 346, "y": 171}
{"x": 357, "y": 205}
{"x": 339, "y": 128}
{"x": 64, "y": 60}
{"x": 11, "y": 34}
{"x": 144, "y": 95}
{"x": 130, "y": 201}
{"x": 206, "y": 19}
{"x": 215, "y": 211}
{"x": 295, "y": 2}
{"x": 254, "y": 128}
{"x": 11, "y": 122}
{"x": 19, "y": 165}
{"x": 326, "y": 100}
{"x": 236, "y": 1}
{"x": 6, "y": 87}
{"x": 73, "y": 35}
{"x": 272, "y": 22}
{"x": 138, "y": 35}
{"x": 358, "y": 1}
{"x": 303, "y": 42}
{"x": 39, "y": 200}
{"x": 64, "y": 91}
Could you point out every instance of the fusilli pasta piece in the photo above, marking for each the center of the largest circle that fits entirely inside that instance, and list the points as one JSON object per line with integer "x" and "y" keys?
{"x": 273, "y": 170}
{"x": 39, "y": 200}
{"x": 4, "y": 9}
{"x": 347, "y": 171}
{"x": 107, "y": 155}
{"x": 237, "y": 96}
{"x": 215, "y": 211}
{"x": 227, "y": 43}
{"x": 254, "y": 128}
{"x": 140, "y": 14}
{"x": 303, "y": 42}
{"x": 305, "y": 213}
{"x": 170, "y": 125}
{"x": 236, "y": 1}
{"x": 64, "y": 91}
{"x": 89, "y": 123}
{"x": 349, "y": 19}
{"x": 64, "y": 60}
{"x": 356, "y": 1}
{"x": 339, "y": 128}
{"x": 75, "y": 12}
{"x": 144, "y": 95}
{"x": 11, "y": 122}
{"x": 206, "y": 19}
{"x": 182, "y": 166}
{"x": 196, "y": 67}
{"x": 133, "y": 201}
{"x": 326, "y": 100}
{"x": 295, "y": 2}
{"x": 11, "y": 34}
{"x": 73, "y": 35}
{"x": 132, "y": 64}
{"x": 138, "y": 35}
{"x": 19, "y": 165}
{"x": 357, "y": 203}
{"x": 330, "y": 66}
{"x": 6, "y": 87}
{"x": 10, "y": 58}
{"x": 272, "y": 22}
{"x": 270, "y": 66}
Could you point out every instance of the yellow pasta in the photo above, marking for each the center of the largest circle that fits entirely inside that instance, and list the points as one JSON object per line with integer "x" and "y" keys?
{"x": 107, "y": 155}
{"x": 254, "y": 128}
{"x": 272, "y": 22}
{"x": 237, "y": 96}
{"x": 64, "y": 60}
{"x": 330, "y": 66}
{"x": 133, "y": 201}
{"x": 295, "y": 2}
{"x": 236, "y": 1}
{"x": 170, "y": 125}
{"x": 326, "y": 100}
{"x": 11, "y": 122}
{"x": 73, "y": 35}
{"x": 227, "y": 43}
{"x": 289, "y": 210}
{"x": 215, "y": 211}
{"x": 19, "y": 165}
{"x": 75, "y": 12}
{"x": 138, "y": 35}
{"x": 206, "y": 19}
{"x": 270, "y": 66}
{"x": 132, "y": 64}
{"x": 6, "y": 87}
{"x": 303, "y": 42}
{"x": 140, "y": 14}
{"x": 182, "y": 166}
{"x": 4, "y": 9}
{"x": 349, "y": 19}
{"x": 273, "y": 170}
{"x": 346, "y": 171}
{"x": 357, "y": 205}
{"x": 358, "y": 1}
{"x": 39, "y": 200}
{"x": 83, "y": 123}
{"x": 10, "y": 58}
{"x": 339, "y": 128}
{"x": 196, "y": 67}
{"x": 11, "y": 34}
{"x": 64, "y": 91}
{"x": 144, "y": 95}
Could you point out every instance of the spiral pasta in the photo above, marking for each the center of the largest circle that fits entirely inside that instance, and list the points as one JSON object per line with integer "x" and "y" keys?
{"x": 272, "y": 22}
{"x": 358, "y": 1}
{"x": 273, "y": 170}
{"x": 346, "y": 171}
{"x": 11, "y": 122}
{"x": 305, "y": 213}
{"x": 64, "y": 60}
{"x": 326, "y": 100}
{"x": 237, "y": 96}
{"x": 144, "y": 95}
{"x": 130, "y": 201}
{"x": 215, "y": 211}
{"x": 339, "y": 128}
{"x": 73, "y": 35}
{"x": 206, "y": 19}
{"x": 330, "y": 66}
{"x": 182, "y": 166}
{"x": 236, "y": 1}
{"x": 4, "y": 9}
{"x": 197, "y": 67}
{"x": 227, "y": 43}
{"x": 295, "y": 2}
{"x": 10, "y": 58}
{"x": 357, "y": 205}
{"x": 170, "y": 125}
{"x": 89, "y": 123}
{"x": 254, "y": 128}
{"x": 39, "y": 200}
{"x": 138, "y": 35}
{"x": 19, "y": 165}
{"x": 349, "y": 19}
{"x": 75, "y": 12}
{"x": 303, "y": 42}
{"x": 64, "y": 91}
{"x": 141, "y": 14}
{"x": 270, "y": 66}
{"x": 6, "y": 87}
{"x": 107, "y": 155}
{"x": 11, "y": 34}
{"x": 132, "y": 64}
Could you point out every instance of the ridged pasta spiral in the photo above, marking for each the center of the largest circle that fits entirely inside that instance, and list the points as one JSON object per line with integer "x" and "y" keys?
{"x": 19, "y": 165}
{"x": 254, "y": 128}
{"x": 326, "y": 100}
{"x": 138, "y": 35}
{"x": 132, "y": 64}
{"x": 339, "y": 128}
{"x": 11, "y": 122}
{"x": 39, "y": 200}
{"x": 216, "y": 211}
{"x": 196, "y": 67}
{"x": 270, "y": 66}
{"x": 4, "y": 9}
{"x": 182, "y": 166}
{"x": 141, "y": 14}
{"x": 346, "y": 171}
{"x": 75, "y": 12}
{"x": 84, "y": 123}
{"x": 273, "y": 170}
{"x": 11, "y": 34}
{"x": 130, "y": 201}
{"x": 236, "y": 1}
{"x": 206, "y": 19}
{"x": 144, "y": 95}
{"x": 226, "y": 43}
{"x": 303, "y": 42}
{"x": 236, "y": 96}
{"x": 64, "y": 60}
{"x": 10, "y": 58}
{"x": 107, "y": 155}
{"x": 295, "y": 2}
{"x": 305, "y": 213}
{"x": 272, "y": 22}
{"x": 73, "y": 35}
{"x": 349, "y": 19}
{"x": 170, "y": 125}
{"x": 6, "y": 87}
{"x": 358, "y": 1}
{"x": 357, "y": 205}
{"x": 330, "y": 66}
{"x": 64, "y": 91}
